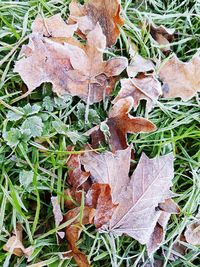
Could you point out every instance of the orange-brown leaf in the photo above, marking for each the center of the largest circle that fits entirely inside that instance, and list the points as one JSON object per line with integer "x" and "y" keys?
{"x": 99, "y": 197}
{"x": 106, "y": 12}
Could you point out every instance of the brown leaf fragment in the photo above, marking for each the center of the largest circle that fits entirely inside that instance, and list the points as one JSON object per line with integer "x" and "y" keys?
{"x": 180, "y": 79}
{"x": 136, "y": 214}
{"x": 53, "y": 27}
{"x": 73, "y": 232}
{"x": 178, "y": 248}
{"x": 163, "y": 36}
{"x": 99, "y": 197}
{"x": 106, "y": 12}
{"x": 120, "y": 123}
{"x": 192, "y": 232}
{"x": 76, "y": 176}
{"x": 14, "y": 244}
{"x": 58, "y": 217}
{"x": 104, "y": 169}
{"x": 44, "y": 61}
{"x": 147, "y": 88}
{"x": 169, "y": 206}
{"x": 91, "y": 77}
{"x": 72, "y": 198}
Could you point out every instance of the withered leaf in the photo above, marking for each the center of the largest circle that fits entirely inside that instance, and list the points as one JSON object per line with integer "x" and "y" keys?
{"x": 106, "y": 12}
{"x": 14, "y": 244}
{"x": 104, "y": 169}
{"x": 53, "y": 27}
{"x": 180, "y": 79}
{"x": 145, "y": 87}
{"x": 44, "y": 61}
{"x": 58, "y": 217}
{"x": 192, "y": 232}
{"x": 76, "y": 176}
{"x": 120, "y": 123}
{"x": 91, "y": 77}
{"x": 168, "y": 207}
{"x": 99, "y": 197}
{"x": 163, "y": 36}
{"x": 73, "y": 231}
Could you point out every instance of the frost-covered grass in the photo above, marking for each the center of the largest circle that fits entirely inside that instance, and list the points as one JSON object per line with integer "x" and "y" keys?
{"x": 30, "y": 173}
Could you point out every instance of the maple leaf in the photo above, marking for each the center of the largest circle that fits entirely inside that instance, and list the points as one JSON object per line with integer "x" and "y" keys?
{"x": 53, "y": 27}
{"x": 73, "y": 231}
{"x": 14, "y": 244}
{"x": 136, "y": 214}
{"x": 120, "y": 123}
{"x": 180, "y": 79}
{"x": 91, "y": 77}
{"x": 145, "y": 87}
{"x": 106, "y": 12}
{"x": 192, "y": 232}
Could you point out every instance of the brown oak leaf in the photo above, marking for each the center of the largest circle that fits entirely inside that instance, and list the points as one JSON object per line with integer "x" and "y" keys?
{"x": 180, "y": 79}
{"x": 73, "y": 232}
{"x": 99, "y": 197}
{"x": 106, "y": 12}
{"x": 145, "y": 87}
{"x": 14, "y": 244}
{"x": 91, "y": 77}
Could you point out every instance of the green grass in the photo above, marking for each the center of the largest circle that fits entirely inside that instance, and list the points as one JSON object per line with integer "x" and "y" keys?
{"x": 30, "y": 173}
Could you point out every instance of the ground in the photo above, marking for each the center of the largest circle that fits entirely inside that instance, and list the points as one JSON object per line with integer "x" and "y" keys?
{"x": 30, "y": 175}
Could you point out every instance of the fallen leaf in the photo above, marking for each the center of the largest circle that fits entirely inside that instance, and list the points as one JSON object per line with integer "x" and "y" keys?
{"x": 106, "y": 12}
{"x": 138, "y": 63}
{"x": 44, "y": 61}
{"x": 76, "y": 176}
{"x": 146, "y": 87}
{"x": 73, "y": 231}
{"x": 120, "y": 123}
{"x": 99, "y": 197}
{"x": 53, "y": 27}
{"x": 91, "y": 77}
{"x": 14, "y": 244}
{"x": 168, "y": 207}
{"x": 57, "y": 216}
{"x": 192, "y": 232}
{"x": 163, "y": 36}
{"x": 180, "y": 79}
{"x": 104, "y": 169}
{"x": 72, "y": 198}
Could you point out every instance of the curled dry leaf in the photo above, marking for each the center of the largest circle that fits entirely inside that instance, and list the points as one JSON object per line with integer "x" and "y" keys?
{"x": 163, "y": 36}
{"x": 106, "y": 12}
{"x": 136, "y": 214}
{"x": 73, "y": 231}
{"x": 53, "y": 27}
{"x": 14, "y": 244}
{"x": 192, "y": 232}
{"x": 99, "y": 197}
{"x": 145, "y": 87}
{"x": 91, "y": 77}
{"x": 180, "y": 79}
{"x": 168, "y": 207}
{"x": 58, "y": 217}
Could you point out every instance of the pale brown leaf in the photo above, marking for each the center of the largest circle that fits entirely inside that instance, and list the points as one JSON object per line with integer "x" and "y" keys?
{"x": 14, "y": 244}
{"x": 106, "y": 12}
{"x": 146, "y": 87}
{"x": 91, "y": 77}
{"x": 192, "y": 232}
{"x": 136, "y": 214}
{"x": 180, "y": 79}
{"x": 53, "y": 27}
{"x": 58, "y": 217}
